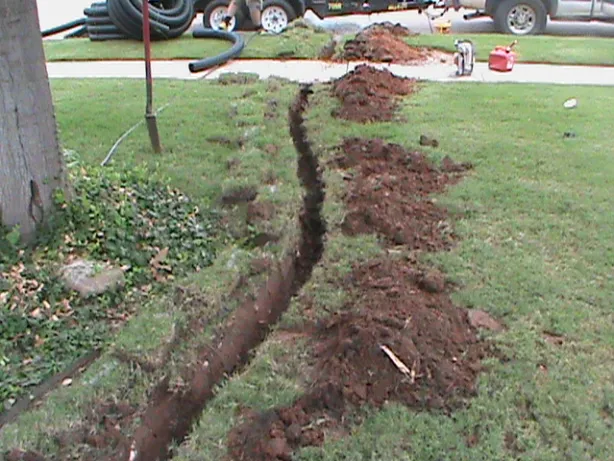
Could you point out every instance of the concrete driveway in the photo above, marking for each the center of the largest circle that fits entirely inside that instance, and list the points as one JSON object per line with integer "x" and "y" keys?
{"x": 56, "y": 12}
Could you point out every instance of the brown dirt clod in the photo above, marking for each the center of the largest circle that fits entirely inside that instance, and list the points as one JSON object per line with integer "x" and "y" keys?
{"x": 450, "y": 166}
{"x": 240, "y": 194}
{"x": 369, "y": 95}
{"x": 482, "y": 319}
{"x": 260, "y": 211}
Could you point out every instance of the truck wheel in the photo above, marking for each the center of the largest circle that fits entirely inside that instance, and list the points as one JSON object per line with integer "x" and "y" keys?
{"x": 276, "y": 15}
{"x": 214, "y": 13}
{"x": 521, "y": 17}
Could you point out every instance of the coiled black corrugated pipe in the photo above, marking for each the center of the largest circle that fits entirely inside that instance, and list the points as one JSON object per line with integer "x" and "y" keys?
{"x": 237, "y": 47}
{"x": 127, "y": 15}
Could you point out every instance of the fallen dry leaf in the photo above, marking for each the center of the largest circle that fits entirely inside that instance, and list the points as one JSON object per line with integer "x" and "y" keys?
{"x": 161, "y": 256}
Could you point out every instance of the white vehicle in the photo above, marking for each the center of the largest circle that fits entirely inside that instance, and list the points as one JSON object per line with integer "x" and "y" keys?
{"x": 528, "y": 17}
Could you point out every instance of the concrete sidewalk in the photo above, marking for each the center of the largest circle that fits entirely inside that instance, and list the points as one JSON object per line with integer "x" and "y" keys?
{"x": 320, "y": 71}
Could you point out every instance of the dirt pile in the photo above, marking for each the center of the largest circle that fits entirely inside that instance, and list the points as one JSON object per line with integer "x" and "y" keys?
{"x": 400, "y": 337}
{"x": 389, "y": 194}
{"x": 384, "y": 43}
{"x": 407, "y": 311}
{"x": 395, "y": 312}
{"x": 369, "y": 95}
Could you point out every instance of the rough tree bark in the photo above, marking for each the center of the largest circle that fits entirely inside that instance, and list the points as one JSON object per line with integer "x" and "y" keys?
{"x": 31, "y": 165}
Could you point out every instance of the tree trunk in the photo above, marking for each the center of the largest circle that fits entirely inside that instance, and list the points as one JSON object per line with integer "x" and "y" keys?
{"x": 31, "y": 165}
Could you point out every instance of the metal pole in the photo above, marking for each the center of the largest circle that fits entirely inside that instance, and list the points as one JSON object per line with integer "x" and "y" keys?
{"x": 150, "y": 116}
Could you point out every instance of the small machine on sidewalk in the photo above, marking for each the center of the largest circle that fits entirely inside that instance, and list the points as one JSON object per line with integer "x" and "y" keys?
{"x": 464, "y": 57}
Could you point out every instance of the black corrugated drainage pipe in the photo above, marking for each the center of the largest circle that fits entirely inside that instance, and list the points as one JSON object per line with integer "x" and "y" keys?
{"x": 234, "y": 51}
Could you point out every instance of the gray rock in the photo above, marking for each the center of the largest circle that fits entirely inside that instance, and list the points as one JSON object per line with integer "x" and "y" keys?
{"x": 81, "y": 276}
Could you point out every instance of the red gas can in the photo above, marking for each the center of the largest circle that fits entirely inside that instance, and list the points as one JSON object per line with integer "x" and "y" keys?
{"x": 502, "y": 58}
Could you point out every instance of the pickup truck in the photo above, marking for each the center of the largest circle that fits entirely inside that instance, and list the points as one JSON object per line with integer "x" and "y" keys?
{"x": 528, "y": 17}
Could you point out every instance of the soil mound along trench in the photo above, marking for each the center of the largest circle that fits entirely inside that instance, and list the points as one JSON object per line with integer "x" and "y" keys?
{"x": 370, "y": 95}
{"x": 397, "y": 311}
{"x": 384, "y": 43}
{"x": 389, "y": 194}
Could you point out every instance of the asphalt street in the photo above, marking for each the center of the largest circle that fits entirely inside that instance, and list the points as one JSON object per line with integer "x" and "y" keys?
{"x": 56, "y": 12}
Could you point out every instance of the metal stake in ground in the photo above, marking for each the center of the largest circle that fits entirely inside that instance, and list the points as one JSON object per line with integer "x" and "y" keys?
{"x": 150, "y": 116}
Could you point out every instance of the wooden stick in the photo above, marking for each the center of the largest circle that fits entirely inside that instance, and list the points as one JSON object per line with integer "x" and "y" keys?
{"x": 397, "y": 361}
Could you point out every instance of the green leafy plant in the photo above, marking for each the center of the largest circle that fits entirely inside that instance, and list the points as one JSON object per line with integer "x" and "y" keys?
{"x": 123, "y": 219}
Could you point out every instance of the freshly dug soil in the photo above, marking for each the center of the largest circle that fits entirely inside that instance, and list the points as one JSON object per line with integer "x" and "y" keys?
{"x": 394, "y": 29}
{"x": 369, "y": 95}
{"x": 394, "y": 305}
{"x": 389, "y": 195}
{"x": 384, "y": 44}
{"x": 400, "y": 338}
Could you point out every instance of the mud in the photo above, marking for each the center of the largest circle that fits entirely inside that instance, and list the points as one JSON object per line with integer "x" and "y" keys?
{"x": 400, "y": 337}
{"x": 240, "y": 194}
{"x": 20, "y": 455}
{"x": 260, "y": 211}
{"x": 390, "y": 195}
{"x": 102, "y": 429}
{"x": 386, "y": 44}
{"x": 171, "y": 413}
{"x": 370, "y": 95}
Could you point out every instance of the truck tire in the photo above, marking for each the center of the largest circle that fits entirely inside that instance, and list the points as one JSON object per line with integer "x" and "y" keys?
{"x": 521, "y": 17}
{"x": 276, "y": 15}
{"x": 215, "y": 11}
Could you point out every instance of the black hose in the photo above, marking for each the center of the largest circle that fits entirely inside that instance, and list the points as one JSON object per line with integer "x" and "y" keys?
{"x": 127, "y": 15}
{"x": 80, "y": 32}
{"x": 123, "y": 19}
{"x": 100, "y": 27}
{"x": 63, "y": 27}
{"x": 106, "y": 37}
{"x": 234, "y": 51}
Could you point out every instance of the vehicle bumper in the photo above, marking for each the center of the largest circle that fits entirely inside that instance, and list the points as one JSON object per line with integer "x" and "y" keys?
{"x": 468, "y": 4}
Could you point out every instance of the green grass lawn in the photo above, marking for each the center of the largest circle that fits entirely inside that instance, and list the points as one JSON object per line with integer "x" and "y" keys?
{"x": 297, "y": 43}
{"x": 300, "y": 43}
{"x": 546, "y": 49}
{"x": 535, "y": 250}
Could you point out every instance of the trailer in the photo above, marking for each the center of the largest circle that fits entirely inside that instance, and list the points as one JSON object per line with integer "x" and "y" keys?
{"x": 277, "y": 14}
